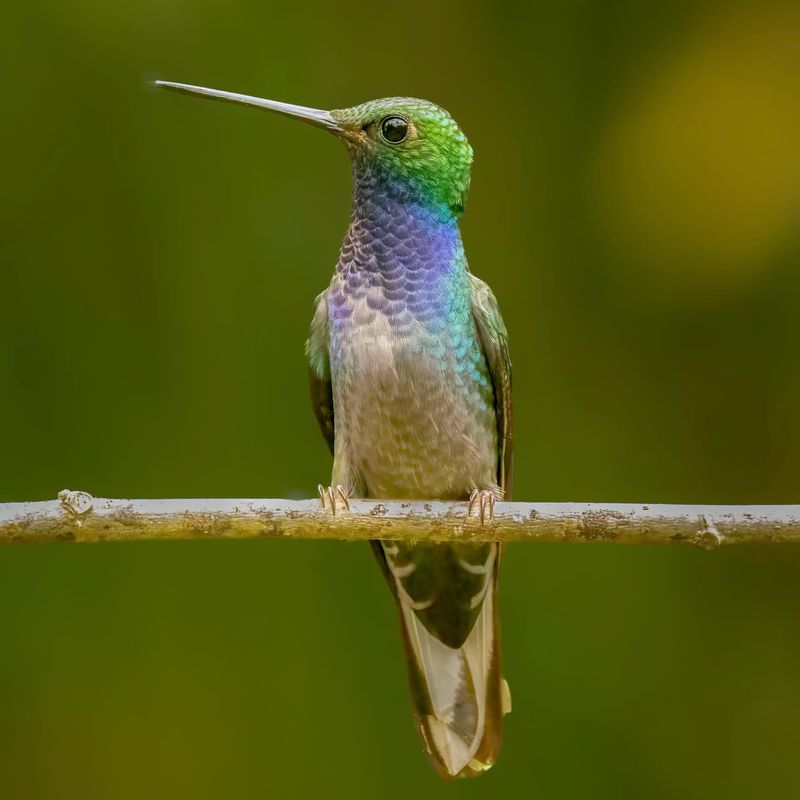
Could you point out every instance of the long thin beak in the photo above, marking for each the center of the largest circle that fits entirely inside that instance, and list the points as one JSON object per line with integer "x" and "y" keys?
{"x": 313, "y": 116}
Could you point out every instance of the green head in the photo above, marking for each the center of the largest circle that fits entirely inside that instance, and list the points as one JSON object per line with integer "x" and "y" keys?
{"x": 412, "y": 142}
{"x": 413, "y": 145}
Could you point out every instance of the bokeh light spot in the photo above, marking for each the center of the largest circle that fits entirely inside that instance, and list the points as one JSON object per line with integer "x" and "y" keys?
{"x": 697, "y": 180}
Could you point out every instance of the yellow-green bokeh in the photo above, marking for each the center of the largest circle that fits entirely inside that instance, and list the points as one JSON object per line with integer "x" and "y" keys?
{"x": 635, "y": 206}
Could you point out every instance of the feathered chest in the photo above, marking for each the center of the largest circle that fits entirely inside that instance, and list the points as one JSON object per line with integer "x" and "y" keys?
{"x": 400, "y": 292}
{"x": 411, "y": 389}
{"x": 406, "y": 311}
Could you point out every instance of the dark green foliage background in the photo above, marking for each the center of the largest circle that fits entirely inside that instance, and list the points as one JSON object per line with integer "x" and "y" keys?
{"x": 160, "y": 256}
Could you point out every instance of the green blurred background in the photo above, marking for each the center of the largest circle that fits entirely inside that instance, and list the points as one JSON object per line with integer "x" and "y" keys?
{"x": 635, "y": 206}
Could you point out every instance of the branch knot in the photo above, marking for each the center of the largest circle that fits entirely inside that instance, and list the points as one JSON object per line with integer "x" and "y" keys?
{"x": 75, "y": 504}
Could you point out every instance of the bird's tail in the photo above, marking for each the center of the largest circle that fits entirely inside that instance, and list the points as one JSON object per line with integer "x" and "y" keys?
{"x": 457, "y": 688}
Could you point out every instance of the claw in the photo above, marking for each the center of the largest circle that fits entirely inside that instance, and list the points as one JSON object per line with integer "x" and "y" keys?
{"x": 485, "y": 501}
{"x": 330, "y": 495}
{"x": 340, "y": 492}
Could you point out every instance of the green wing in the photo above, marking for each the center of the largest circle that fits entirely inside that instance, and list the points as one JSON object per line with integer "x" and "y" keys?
{"x": 319, "y": 369}
{"x": 494, "y": 342}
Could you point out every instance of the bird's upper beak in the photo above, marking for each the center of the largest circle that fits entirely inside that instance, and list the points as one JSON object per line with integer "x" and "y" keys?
{"x": 313, "y": 116}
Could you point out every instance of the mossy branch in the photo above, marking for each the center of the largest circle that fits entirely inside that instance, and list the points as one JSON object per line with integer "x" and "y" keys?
{"x": 79, "y": 517}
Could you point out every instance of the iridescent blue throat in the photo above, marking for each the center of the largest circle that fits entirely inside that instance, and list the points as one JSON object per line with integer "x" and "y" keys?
{"x": 400, "y": 254}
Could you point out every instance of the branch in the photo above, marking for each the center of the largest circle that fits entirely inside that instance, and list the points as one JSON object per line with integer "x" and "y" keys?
{"x": 78, "y": 517}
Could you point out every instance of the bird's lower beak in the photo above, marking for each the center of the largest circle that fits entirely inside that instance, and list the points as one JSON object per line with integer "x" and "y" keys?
{"x": 313, "y": 116}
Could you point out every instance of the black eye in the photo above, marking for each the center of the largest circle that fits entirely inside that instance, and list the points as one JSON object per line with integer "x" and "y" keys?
{"x": 394, "y": 129}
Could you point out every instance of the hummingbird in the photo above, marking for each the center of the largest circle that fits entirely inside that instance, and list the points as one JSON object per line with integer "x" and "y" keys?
{"x": 410, "y": 380}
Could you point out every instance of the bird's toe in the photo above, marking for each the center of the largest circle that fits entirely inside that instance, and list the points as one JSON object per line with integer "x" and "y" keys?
{"x": 330, "y": 496}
